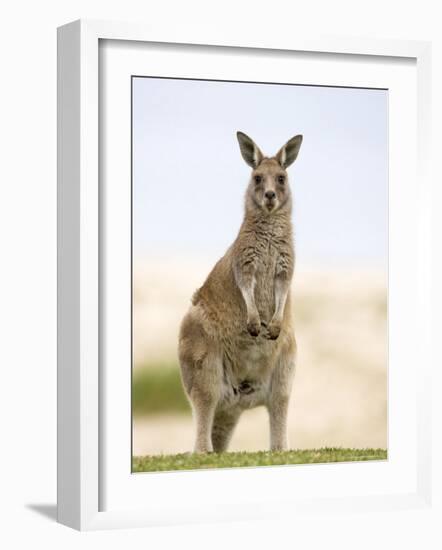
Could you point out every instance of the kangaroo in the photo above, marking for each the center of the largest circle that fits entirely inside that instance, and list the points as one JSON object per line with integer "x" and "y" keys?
{"x": 237, "y": 347}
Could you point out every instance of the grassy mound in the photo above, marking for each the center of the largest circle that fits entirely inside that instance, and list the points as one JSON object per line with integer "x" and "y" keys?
{"x": 191, "y": 461}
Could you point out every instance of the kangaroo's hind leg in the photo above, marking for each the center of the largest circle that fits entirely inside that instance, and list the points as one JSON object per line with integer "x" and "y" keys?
{"x": 223, "y": 426}
{"x": 279, "y": 396}
{"x": 201, "y": 369}
{"x": 204, "y": 397}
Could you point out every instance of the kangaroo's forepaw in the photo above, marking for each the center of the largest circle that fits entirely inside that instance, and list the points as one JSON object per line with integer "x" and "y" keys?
{"x": 273, "y": 330}
{"x": 254, "y": 327}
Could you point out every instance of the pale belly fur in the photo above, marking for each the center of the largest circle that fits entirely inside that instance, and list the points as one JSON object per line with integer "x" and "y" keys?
{"x": 247, "y": 372}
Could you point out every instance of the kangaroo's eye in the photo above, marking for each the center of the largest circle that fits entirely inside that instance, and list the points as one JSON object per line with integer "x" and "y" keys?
{"x": 258, "y": 179}
{"x": 281, "y": 180}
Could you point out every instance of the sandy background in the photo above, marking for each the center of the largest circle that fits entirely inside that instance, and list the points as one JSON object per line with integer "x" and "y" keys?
{"x": 340, "y": 390}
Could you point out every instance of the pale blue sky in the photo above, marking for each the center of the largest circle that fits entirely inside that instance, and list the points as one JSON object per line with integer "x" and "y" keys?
{"x": 189, "y": 177}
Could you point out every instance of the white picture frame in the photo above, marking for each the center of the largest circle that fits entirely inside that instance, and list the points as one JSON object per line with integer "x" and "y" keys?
{"x": 80, "y": 397}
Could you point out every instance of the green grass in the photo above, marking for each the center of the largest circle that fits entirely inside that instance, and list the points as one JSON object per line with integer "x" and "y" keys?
{"x": 157, "y": 389}
{"x": 191, "y": 461}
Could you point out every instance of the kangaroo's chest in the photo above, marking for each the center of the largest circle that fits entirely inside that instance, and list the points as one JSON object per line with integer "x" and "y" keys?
{"x": 265, "y": 281}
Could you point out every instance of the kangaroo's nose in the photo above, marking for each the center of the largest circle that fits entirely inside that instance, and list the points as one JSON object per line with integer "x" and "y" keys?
{"x": 270, "y": 195}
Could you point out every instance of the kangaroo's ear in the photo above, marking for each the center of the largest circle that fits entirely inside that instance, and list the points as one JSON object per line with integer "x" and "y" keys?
{"x": 249, "y": 150}
{"x": 288, "y": 152}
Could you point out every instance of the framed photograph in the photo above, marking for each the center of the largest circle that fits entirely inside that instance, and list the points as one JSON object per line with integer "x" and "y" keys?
{"x": 244, "y": 276}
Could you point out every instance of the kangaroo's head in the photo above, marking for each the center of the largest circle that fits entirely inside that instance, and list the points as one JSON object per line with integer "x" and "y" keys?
{"x": 268, "y": 189}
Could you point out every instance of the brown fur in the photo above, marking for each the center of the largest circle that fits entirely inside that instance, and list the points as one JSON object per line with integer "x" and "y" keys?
{"x": 236, "y": 345}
